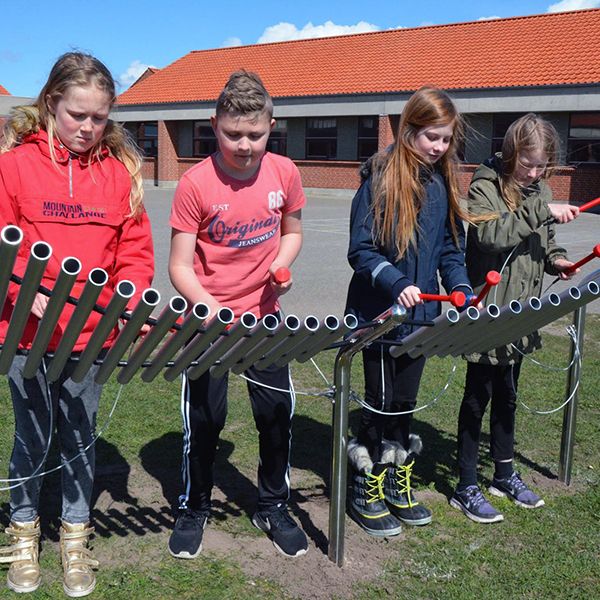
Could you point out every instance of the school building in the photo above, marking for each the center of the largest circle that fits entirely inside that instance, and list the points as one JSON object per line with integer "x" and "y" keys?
{"x": 338, "y": 99}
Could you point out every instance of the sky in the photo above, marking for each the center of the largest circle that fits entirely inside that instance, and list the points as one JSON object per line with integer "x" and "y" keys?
{"x": 129, "y": 36}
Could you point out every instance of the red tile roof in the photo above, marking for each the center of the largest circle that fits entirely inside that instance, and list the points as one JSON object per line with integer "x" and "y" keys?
{"x": 538, "y": 50}
{"x": 3, "y": 91}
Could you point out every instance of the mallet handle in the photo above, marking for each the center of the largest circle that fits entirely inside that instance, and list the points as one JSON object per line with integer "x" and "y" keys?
{"x": 590, "y": 204}
{"x": 491, "y": 279}
{"x": 595, "y": 253}
{"x": 456, "y": 298}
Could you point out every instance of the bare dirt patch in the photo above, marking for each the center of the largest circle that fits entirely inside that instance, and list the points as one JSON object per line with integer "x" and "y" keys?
{"x": 133, "y": 529}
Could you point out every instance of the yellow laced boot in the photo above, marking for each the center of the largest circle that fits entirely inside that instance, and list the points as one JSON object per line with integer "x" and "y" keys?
{"x": 23, "y": 554}
{"x": 79, "y": 578}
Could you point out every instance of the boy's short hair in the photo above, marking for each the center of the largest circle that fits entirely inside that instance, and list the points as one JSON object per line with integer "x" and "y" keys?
{"x": 244, "y": 94}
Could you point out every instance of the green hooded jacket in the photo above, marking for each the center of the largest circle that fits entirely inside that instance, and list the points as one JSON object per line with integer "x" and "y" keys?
{"x": 518, "y": 244}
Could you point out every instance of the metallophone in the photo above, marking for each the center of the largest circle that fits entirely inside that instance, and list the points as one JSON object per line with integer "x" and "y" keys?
{"x": 182, "y": 339}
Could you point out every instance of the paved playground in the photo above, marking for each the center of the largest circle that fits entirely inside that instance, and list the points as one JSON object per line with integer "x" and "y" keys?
{"x": 321, "y": 272}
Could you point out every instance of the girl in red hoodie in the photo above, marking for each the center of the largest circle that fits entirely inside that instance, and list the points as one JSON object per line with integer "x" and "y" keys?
{"x": 68, "y": 176}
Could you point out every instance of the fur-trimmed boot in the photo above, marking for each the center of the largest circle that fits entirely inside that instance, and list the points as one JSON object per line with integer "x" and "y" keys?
{"x": 24, "y": 572}
{"x": 397, "y": 486}
{"x": 79, "y": 578}
{"x": 366, "y": 503}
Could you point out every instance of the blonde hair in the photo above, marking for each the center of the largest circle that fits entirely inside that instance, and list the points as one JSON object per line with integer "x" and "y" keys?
{"x": 398, "y": 191}
{"x": 529, "y": 133}
{"x": 244, "y": 94}
{"x": 77, "y": 69}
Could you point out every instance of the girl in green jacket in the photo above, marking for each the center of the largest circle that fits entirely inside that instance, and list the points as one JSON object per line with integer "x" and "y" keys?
{"x": 512, "y": 232}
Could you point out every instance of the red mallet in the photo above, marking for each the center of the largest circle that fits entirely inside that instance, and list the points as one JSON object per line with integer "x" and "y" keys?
{"x": 491, "y": 279}
{"x": 282, "y": 275}
{"x": 589, "y": 204}
{"x": 594, "y": 254}
{"x": 457, "y": 299}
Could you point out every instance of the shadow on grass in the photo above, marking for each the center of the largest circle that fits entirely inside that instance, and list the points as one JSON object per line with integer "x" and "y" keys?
{"x": 112, "y": 477}
{"x": 161, "y": 458}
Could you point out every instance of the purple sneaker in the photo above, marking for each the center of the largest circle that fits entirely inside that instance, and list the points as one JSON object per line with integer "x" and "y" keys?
{"x": 516, "y": 490}
{"x": 475, "y": 505}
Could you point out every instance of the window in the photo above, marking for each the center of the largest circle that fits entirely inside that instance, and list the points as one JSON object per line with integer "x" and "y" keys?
{"x": 584, "y": 138}
{"x": 500, "y": 125}
{"x": 145, "y": 136}
{"x": 278, "y": 139}
{"x": 368, "y": 137}
{"x": 321, "y": 139}
{"x": 204, "y": 142}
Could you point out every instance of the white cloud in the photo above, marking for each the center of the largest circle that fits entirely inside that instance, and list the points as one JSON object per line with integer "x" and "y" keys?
{"x": 489, "y": 18}
{"x": 134, "y": 70}
{"x": 287, "y": 31}
{"x": 231, "y": 41}
{"x": 566, "y": 5}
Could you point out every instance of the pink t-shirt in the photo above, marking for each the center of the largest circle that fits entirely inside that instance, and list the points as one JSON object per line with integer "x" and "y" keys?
{"x": 237, "y": 228}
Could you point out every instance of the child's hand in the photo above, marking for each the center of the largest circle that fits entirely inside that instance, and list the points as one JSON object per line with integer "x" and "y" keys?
{"x": 40, "y": 302}
{"x": 562, "y": 266}
{"x": 281, "y": 279}
{"x": 410, "y": 296}
{"x": 564, "y": 213}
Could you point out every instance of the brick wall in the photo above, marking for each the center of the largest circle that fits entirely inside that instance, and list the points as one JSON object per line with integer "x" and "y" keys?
{"x": 387, "y": 125}
{"x": 150, "y": 170}
{"x": 167, "y": 152}
{"x": 329, "y": 174}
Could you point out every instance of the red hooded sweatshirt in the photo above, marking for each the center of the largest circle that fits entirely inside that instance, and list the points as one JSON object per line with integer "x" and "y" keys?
{"x": 81, "y": 209}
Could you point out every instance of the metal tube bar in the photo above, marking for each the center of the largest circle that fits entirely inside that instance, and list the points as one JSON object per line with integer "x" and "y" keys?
{"x": 570, "y": 299}
{"x": 505, "y": 314}
{"x": 307, "y": 342}
{"x": 432, "y": 334}
{"x": 123, "y": 292}
{"x": 246, "y": 322}
{"x": 149, "y": 300}
{"x": 330, "y": 326}
{"x": 521, "y": 324}
{"x": 567, "y": 441}
{"x": 290, "y": 324}
{"x": 38, "y": 259}
{"x": 287, "y": 344}
{"x": 468, "y": 319}
{"x": 440, "y": 323}
{"x": 349, "y": 323}
{"x": 486, "y": 317}
{"x": 69, "y": 269}
{"x": 312, "y": 324}
{"x": 10, "y": 241}
{"x": 242, "y": 348}
{"x": 170, "y": 313}
{"x": 199, "y": 343}
{"x": 97, "y": 279}
{"x": 339, "y": 451}
{"x": 199, "y": 313}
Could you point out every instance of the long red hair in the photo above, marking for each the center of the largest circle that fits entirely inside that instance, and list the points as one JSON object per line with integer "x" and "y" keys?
{"x": 398, "y": 192}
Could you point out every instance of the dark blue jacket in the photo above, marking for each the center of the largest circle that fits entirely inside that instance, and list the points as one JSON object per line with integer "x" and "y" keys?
{"x": 378, "y": 278}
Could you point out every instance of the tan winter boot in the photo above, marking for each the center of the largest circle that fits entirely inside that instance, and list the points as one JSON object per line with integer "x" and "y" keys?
{"x": 24, "y": 572}
{"x": 79, "y": 578}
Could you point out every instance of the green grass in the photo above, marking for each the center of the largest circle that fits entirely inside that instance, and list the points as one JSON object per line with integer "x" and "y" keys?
{"x": 552, "y": 552}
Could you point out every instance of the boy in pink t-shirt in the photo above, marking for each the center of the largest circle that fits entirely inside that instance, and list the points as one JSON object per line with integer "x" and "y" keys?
{"x": 236, "y": 219}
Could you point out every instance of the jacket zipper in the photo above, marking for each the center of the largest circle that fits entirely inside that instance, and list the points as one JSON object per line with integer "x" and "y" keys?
{"x": 70, "y": 177}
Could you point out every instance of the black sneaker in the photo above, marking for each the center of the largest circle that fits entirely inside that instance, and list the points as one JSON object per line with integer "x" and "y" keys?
{"x": 516, "y": 489}
{"x": 399, "y": 497}
{"x": 367, "y": 506}
{"x": 286, "y": 536}
{"x": 186, "y": 537}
